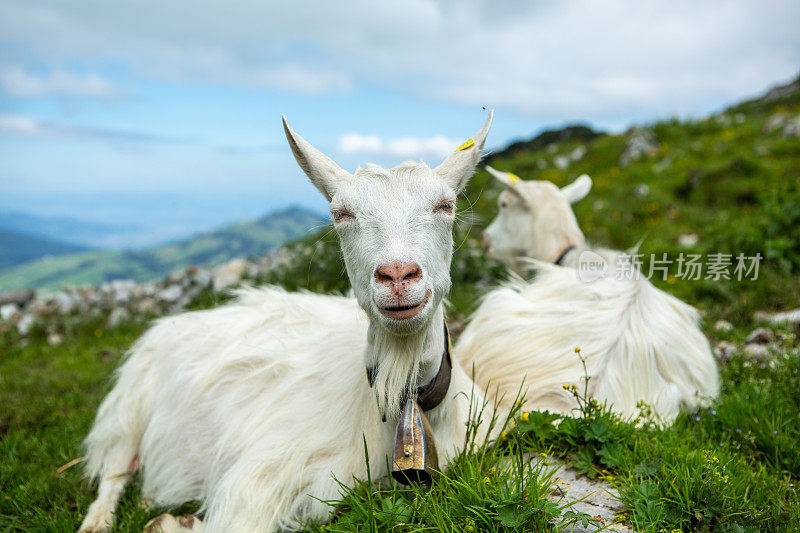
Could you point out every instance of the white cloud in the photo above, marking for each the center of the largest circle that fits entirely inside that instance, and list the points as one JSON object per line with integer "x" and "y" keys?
{"x": 24, "y": 126}
{"x": 401, "y": 147}
{"x": 20, "y": 126}
{"x": 17, "y": 82}
{"x": 553, "y": 61}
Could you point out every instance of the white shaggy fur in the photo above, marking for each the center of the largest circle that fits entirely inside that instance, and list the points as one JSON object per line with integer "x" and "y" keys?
{"x": 639, "y": 343}
{"x": 257, "y": 407}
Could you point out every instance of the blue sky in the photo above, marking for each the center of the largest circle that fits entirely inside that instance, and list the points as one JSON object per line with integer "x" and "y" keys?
{"x": 168, "y": 114}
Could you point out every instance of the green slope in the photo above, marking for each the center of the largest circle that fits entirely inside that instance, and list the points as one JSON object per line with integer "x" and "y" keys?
{"x": 246, "y": 239}
{"x": 18, "y": 247}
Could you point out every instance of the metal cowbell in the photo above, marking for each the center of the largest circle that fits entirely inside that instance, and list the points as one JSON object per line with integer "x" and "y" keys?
{"x": 415, "y": 457}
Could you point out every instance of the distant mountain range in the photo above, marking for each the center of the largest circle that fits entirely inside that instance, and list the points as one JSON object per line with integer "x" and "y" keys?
{"x": 65, "y": 230}
{"x": 252, "y": 238}
{"x": 17, "y": 247}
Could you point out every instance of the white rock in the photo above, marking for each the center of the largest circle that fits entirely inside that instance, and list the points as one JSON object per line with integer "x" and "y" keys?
{"x": 171, "y": 294}
{"x": 117, "y": 316}
{"x": 201, "y": 277}
{"x": 66, "y": 302}
{"x": 688, "y": 240}
{"x": 596, "y": 498}
{"x": 784, "y": 317}
{"x": 25, "y": 323}
{"x": 641, "y": 190}
{"x": 775, "y": 122}
{"x": 541, "y": 164}
{"x": 561, "y": 162}
{"x": 120, "y": 290}
{"x": 724, "y": 350}
{"x": 760, "y": 336}
{"x": 756, "y": 351}
{"x": 147, "y": 306}
{"x": 54, "y": 339}
{"x": 7, "y": 311}
{"x": 21, "y": 297}
{"x": 639, "y": 143}
{"x": 578, "y": 153}
{"x": 229, "y": 274}
{"x": 723, "y": 326}
{"x": 792, "y": 128}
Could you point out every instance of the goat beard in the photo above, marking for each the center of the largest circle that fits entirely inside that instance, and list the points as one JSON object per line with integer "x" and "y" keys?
{"x": 395, "y": 362}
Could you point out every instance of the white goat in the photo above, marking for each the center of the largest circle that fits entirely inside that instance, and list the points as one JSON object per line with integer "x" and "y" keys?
{"x": 255, "y": 407}
{"x": 639, "y": 343}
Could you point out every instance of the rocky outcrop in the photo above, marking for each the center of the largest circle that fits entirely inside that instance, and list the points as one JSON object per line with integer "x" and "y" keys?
{"x": 119, "y": 301}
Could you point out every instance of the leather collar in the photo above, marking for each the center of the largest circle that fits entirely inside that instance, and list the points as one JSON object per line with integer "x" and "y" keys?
{"x": 564, "y": 254}
{"x": 430, "y": 395}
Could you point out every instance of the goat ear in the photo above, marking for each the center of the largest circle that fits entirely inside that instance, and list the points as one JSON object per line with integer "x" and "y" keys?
{"x": 320, "y": 169}
{"x": 507, "y": 180}
{"x": 458, "y": 168}
{"x": 578, "y": 189}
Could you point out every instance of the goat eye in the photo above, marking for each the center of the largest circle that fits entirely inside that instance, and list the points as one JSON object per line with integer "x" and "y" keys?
{"x": 341, "y": 215}
{"x": 503, "y": 204}
{"x": 444, "y": 207}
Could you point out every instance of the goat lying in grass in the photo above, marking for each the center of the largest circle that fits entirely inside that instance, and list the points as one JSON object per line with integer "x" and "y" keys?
{"x": 255, "y": 407}
{"x": 639, "y": 343}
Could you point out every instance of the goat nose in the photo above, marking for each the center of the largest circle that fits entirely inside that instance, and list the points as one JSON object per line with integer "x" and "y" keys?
{"x": 398, "y": 273}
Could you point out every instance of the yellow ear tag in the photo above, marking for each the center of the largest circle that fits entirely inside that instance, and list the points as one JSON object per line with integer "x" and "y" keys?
{"x": 466, "y": 144}
{"x": 513, "y": 177}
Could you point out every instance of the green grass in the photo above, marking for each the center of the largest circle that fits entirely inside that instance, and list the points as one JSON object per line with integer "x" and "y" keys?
{"x": 733, "y": 467}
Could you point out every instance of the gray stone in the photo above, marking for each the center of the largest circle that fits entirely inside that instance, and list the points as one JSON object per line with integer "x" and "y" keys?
{"x": 641, "y": 190}
{"x": 688, "y": 240}
{"x": 775, "y": 122}
{"x": 594, "y": 497}
{"x": 761, "y": 316}
{"x": 578, "y": 153}
{"x": 785, "y": 317}
{"x": 117, "y": 316}
{"x": 760, "y": 336}
{"x": 756, "y": 351}
{"x": 66, "y": 302}
{"x": 229, "y": 274}
{"x": 638, "y": 144}
{"x": 119, "y": 290}
{"x": 7, "y": 311}
{"x": 792, "y": 128}
{"x": 561, "y": 162}
{"x": 201, "y": 277}
{"x": 20, "y": 297}
{"x": 147, "y": 306}
{"x": 54, "y": 339}
{"x": 25, "y": 324}
{"x": 722, "y": 326}
{"x": 724, "y": 350}
{"x": 171, "y": 294}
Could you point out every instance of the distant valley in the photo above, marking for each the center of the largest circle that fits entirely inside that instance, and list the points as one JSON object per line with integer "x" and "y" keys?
{"x": 66, "y": 263}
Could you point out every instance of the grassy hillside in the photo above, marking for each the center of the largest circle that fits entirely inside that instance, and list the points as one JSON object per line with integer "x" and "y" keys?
{"x": 721, "y": 178}
{"x": 18, "y": 247}
{"x": 733, "y": 467}
{"x": 246, "y": 239}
